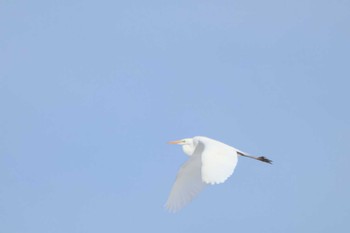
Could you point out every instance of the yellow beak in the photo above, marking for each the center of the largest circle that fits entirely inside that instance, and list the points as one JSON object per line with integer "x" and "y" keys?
{"x": 175, "y": 142}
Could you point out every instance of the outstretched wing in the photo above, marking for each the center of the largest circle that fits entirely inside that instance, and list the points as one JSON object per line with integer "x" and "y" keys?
{"x": 218, "y": 161}
{"x": 188, "y": 183}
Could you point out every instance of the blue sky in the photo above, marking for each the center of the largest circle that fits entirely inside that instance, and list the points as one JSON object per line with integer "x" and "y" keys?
{"x": 91, "y": 91}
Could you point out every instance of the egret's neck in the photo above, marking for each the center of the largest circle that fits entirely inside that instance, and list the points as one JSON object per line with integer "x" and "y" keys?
{"x": 188, "y": 149}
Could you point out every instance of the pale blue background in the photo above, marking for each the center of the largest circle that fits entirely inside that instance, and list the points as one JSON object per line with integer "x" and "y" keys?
{"x": 91, "y": 91}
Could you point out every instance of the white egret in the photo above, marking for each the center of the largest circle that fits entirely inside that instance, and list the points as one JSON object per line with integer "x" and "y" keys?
{"x": 210, "y": 162}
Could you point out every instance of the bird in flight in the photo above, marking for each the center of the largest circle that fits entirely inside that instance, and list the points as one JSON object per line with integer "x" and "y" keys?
{"x": 210, "y": 162}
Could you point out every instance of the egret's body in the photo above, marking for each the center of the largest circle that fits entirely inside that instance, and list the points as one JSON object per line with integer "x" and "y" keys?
{"x": 210, "y": 162}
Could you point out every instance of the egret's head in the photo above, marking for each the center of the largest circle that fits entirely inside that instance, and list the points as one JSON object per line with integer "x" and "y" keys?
{"x": 187, "y": 145}
{"x": 185, "y": 141}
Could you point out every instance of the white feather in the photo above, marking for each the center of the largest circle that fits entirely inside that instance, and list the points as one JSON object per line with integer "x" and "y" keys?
{"x": 211, "y": 162}
{"x": 187, "y": 185}
{"x": 218, "y": 161}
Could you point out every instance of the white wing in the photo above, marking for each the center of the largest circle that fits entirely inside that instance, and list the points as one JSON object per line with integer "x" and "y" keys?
{"x": 211, "y": 163}
{"x": 188, "y": 183}
{"x": 218, "y": 161}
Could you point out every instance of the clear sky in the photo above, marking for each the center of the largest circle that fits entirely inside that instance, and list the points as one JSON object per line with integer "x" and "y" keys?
{"x": 91, "y": 91}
